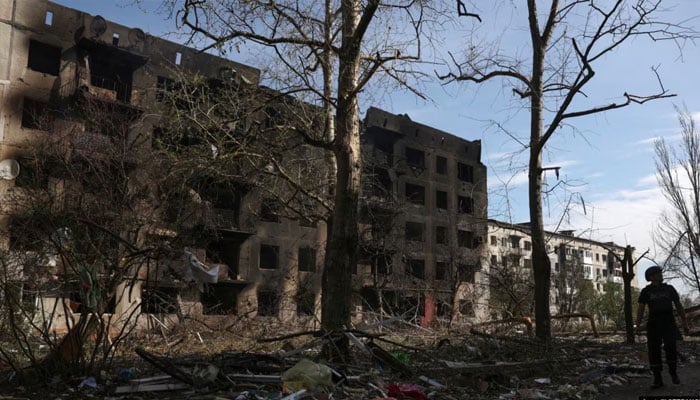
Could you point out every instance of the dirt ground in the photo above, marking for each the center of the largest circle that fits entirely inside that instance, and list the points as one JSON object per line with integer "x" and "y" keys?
{"x": 469, "y": 366}
{"x": 639, "y": 386}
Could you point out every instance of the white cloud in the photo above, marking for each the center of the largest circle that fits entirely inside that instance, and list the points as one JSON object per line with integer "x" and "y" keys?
{"x": 649, "y": 180}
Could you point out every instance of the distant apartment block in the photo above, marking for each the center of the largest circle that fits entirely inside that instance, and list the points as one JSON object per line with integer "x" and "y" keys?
{"x": 511, "y": 245}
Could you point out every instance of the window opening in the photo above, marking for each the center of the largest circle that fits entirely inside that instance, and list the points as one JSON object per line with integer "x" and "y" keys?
{"x": 441, "y": 200}
{"x": 44, "y": 58}
{"x": 48, "y": 20}
{"x": 178, "y": 58}
{"x": 269, "y": 256}
{"x": 466, "y": 273}
{"x": 415, "y": 194}
{"x": 415, "y": 158}
{"x": 115, "y": 39}
{"x": 441, "y": 165}
{"x": 465, "y": 205}
{"x": 442, "y": 271}
{"x": 307, "y": 259}
{"x": 465, "y": 172}
{"x": 414, "y": 231}
{"x": 441, "y": 235}
{"x": 466, "y": 308}
{"x": 218, "y": 299}
{"x": 417, "y": 268}
{"x": 465, "y": 239}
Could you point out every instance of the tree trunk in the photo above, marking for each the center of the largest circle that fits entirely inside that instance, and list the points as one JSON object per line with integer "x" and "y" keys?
{"x": 627, "y": 275}
{"x": 540, "y": 261}
{"x": 342, "y": 244}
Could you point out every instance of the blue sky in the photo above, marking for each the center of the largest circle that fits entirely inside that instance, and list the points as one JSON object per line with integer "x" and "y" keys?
{"x": 609, "y": 157}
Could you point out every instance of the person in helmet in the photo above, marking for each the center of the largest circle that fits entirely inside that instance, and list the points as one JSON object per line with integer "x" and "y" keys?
{"x": 661, "y": 326}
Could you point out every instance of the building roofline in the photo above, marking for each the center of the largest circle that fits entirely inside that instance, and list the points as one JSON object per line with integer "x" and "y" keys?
{"x": 376, "y": 112}
{"x": 524, "y": 227}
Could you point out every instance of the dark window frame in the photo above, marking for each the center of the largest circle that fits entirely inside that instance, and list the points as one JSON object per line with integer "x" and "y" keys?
{"x": 465, "y": 172}
{"x": 415, "y": 194}
{"x": 440, "y": 165}
{"x": 416, "y": 268}
{"x": 442, "y": 271}
{"x": 441, "y": 236}
{"x": 415, "y": 231}
{"x": 466, "y": 273}
{"x": 415, "y": 158}
{"x": 465, "y": 238}
{"x": 307, "y": 259}
{"x": 465, "y": 205}
{"x": 43, "y": 57}
{"x": 216, "y": 299}
{"x": 441, "y": 202}
{"x": 269, "y": 257}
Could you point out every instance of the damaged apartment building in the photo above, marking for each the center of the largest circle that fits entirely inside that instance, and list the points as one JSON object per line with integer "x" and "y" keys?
{"x": 572, "y": 259}
{"x": 78, "y": 143}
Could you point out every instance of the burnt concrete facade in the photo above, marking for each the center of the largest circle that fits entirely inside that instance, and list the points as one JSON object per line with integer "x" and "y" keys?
{"x": 425, "y": 256}
{"x": 434, "y": 185}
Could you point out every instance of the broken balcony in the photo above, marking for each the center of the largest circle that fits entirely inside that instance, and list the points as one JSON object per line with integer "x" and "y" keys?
{"x": 105, "y": 72}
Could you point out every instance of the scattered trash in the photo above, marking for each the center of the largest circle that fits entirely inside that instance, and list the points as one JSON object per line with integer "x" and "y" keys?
{"x": 125, "y": 374}
{"x": 472, "y": 366}
{"x": 311, "y": 375}
{"x": 89, "y": 382}
{"x": 403, "y": 357}
{"x": 295, "y": 396}
{"x": 531, "y": 394}
{"x": 596, "y": 374}
{"x": 406, "y": 390}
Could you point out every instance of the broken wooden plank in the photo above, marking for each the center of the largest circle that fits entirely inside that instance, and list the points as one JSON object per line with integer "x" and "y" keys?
{"x": 255, "y": 378}
{"x": 165, "y": 365}
{"x": 151, "y": 379}
{"x": 357, "y": 342}
{"x": 580, "y": 315}
{"x": 151, "y": 387}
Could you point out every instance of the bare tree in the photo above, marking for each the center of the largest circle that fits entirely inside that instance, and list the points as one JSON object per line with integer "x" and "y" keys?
{"x": 678, "y": 174}
{"x": 327, "y": 55}
{"x": 568, "y": 285}
{"x": 567, "y": 40}
{"x": 82, "y": 230}
{"x": 510, "y": 288}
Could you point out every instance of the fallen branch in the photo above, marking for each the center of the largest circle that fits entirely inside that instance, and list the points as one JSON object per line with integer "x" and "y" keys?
{"x": 579, "y": 315}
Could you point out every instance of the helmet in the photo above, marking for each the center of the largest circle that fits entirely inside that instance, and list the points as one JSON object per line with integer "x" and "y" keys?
{"x": 651, "y": 271}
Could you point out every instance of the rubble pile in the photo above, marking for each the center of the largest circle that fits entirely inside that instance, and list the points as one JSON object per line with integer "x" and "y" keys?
{"x": 384, "y": 365}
